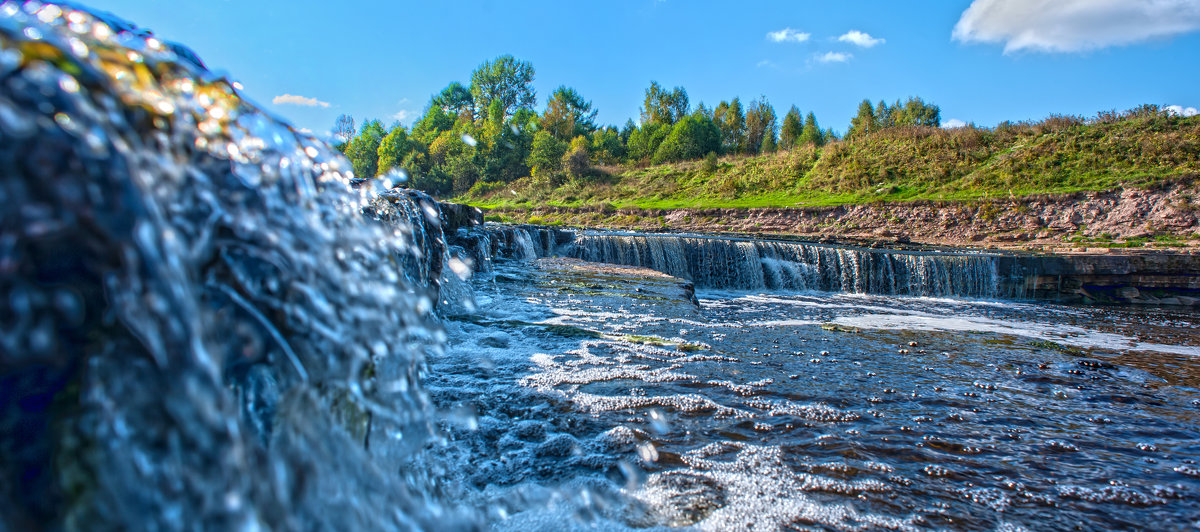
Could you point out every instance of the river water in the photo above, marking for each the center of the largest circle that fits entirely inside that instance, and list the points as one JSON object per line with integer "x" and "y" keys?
{"x": 602, "y": 394}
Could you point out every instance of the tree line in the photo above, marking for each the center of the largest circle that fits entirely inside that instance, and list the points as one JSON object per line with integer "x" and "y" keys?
{"x": 490, "y": 132}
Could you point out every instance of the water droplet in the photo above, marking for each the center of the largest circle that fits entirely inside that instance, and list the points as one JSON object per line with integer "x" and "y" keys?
{"x": 49, "y": 13}
{"x": 647, "y": 452}
{"x": 460, "y": 268}
{"x": 658, "y": 422}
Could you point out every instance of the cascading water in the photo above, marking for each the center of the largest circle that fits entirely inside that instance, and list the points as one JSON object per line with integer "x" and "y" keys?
{"x": 201, "y": 329}
{"x": 714, "y": 262}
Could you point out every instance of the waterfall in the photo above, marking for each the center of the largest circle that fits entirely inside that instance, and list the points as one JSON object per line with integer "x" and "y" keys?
{"x": 716, "y": 262}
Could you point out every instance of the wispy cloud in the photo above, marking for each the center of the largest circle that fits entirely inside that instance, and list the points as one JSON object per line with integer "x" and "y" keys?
{"x": 402, "y": 115}
{"x": 953, "y": 123}
{"x": 834, "y": 57}
{"x": 765, "y": 63}
{"x": 1179, "y": 110}
{"x": 303, "y": 101}
{"x": 788, "y": 35}
{"x": 862, "y": 39}
{"x": 1074, "y": 25}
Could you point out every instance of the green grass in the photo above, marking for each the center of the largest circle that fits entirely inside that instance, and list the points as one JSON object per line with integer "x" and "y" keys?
{"x": 1060, "y": 155}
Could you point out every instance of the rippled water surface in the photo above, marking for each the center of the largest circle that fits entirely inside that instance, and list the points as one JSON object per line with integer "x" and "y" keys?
{"x": 816, "y": 410}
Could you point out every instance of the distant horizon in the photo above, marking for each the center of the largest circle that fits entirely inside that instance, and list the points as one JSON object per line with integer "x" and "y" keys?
{"x": 982, "y": 62}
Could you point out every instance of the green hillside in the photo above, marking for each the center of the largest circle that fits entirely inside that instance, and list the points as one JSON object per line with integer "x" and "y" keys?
{"x": 1058, "y": 155}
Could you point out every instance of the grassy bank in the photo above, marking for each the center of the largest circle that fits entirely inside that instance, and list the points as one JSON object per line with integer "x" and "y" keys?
{"x": 1058, "y": 155}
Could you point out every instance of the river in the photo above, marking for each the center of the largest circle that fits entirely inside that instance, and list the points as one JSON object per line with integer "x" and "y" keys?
{"x": 767, "y": 410}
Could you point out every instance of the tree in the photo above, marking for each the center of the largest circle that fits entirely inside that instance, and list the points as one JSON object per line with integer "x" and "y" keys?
{"x": 690, "y": 138}
{"x": 545, "y": 156}
{"x": 455, "y": 100}
{"x": 644, "y": 141}
{"x": 432, "y": 124}
{"x": 575, "y": 161}
{"x": 883, "y": 116}
{"x": 915, "y": 112}
{"x": 505, "y": 80}
{"x": 363, "y": 150}
{"x": 864, "y": 123}
{"x": 392, "y": 149}
{"x": 607, "y": 147}
{"x": 343, "y": 131}
{"x": 793, "y": 126}
{"x": 760, "y": 123}
{"x": 769, "y": 144}
{"x": 509, "y": 145}
{"x": 812, "y": 133}
{"x": 662, "y": 107}
{"x": 568, "y": 115}
{"x": 627, "y": 131}
{"x": 733, "y": 127}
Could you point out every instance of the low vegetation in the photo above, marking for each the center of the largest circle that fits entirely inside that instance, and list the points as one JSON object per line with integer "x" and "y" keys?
{"x": 1061, "y": 154}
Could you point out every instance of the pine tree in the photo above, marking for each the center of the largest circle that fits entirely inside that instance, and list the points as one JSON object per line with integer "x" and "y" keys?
{"x": 864, "y": 122}
{"x": 812, "y": 132}
{"x": 793, "y": 126}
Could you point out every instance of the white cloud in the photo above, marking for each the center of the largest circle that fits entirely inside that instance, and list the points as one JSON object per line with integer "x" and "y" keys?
{"x": 953, "y": 123}
{"x": 1074, "y": 25}
{"x": 834, "y": 57}
{"x": 765, "y": 63}
{"x": 292, "y": 99}
{"x": 859, "y": 38}
{"x": 788, "y": 34}
{"x": 1179, "y": 110}
{"x": 402, "y": 115}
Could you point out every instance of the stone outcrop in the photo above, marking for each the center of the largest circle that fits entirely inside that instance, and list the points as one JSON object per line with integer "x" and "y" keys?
{"x": 1072, "y": 222}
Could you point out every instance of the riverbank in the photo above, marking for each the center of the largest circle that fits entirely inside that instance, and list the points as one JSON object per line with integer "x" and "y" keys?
{"x": 1144, "y": 219}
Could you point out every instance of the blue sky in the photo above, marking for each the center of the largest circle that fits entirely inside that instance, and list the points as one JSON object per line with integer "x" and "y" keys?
{"x": 982, "y": 61}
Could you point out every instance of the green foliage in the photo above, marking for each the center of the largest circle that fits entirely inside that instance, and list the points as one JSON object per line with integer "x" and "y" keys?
{"x": 662, "y": 107}
{"x": 545, "y": 155}
{"x": 691, "y": 138}
{"x": 568, "y": 115}
{"x": 644, "y": 141}
{"x": 433, "y": 123}
{"x": 769, "y": 144}
{"x": 732, "y": 121}
{"x": 812, "y": 133}
{"x": 607, "y": 147}
{"x": 505, "y": 80}
{"x": 455, "y": 100}
{"x": 760, "y": 124}
{"x": 1056, "y": 155}
{"x": 575, "y": 161}
{"x": 864, "y": 122}
{"x": 392, "y": 149}
{"x": 363, "y": 149}
{"x": 790, "y": 130}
